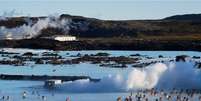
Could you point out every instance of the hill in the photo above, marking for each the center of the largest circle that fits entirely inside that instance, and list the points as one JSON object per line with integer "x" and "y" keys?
{"x": 90, "y": 27}
{"x": 170, "y": 33}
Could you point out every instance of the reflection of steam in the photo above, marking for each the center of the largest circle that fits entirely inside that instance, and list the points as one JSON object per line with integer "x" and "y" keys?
{"x": 31, "y": 30}
{"x": 179, "y": 75}
{"x": 107, "y": 84}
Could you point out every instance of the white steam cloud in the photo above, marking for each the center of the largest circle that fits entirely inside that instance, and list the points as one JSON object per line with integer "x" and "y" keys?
{"x": 33, "y": 29}
{"x": 178, "y": 75}
{"x": 147, "y": 78}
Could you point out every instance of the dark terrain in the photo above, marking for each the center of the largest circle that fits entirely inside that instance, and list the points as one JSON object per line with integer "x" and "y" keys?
{"x": 44, "y": 77}
{"x": 180, "y": 32}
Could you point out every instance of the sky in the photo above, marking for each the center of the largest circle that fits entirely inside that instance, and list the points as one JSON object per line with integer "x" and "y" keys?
{"x": 101, "y": 9}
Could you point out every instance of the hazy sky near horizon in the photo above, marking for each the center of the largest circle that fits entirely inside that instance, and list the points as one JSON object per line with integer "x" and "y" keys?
{"x": 102, "y": 9}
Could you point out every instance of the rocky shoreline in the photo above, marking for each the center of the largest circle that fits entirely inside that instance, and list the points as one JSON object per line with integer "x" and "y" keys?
{"x": 166, "y": 45}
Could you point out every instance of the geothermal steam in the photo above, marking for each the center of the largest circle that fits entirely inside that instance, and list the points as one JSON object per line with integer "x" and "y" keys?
{"x": 179, "y": 75}
{"x": 146, "y": 79}
{"x": 31, "y": 29}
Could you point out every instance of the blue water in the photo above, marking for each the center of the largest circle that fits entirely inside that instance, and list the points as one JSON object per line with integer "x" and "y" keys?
{"x": 83, "y": 69}
{"x": 86, "y": 69}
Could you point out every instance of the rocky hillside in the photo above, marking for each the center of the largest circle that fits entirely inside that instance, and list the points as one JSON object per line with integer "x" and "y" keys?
{"x": 175, "y": 25}
{"x": 91, "y": 27}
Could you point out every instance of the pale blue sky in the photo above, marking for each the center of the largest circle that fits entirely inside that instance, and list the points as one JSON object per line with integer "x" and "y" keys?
{"x": 103, "y": 9}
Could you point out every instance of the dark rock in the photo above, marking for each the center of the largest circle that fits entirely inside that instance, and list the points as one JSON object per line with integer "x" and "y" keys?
{"x": 181, "y": 58}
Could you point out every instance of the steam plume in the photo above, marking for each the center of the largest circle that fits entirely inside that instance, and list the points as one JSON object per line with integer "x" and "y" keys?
{"x": 179, "y": 75}
{"x": 33, "y": 29}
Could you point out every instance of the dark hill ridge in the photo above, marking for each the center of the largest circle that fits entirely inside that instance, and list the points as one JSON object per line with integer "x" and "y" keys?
{"x": 135, "y": 28}
{"x": 180, "y": 32}
{"x": 185, "y": 17}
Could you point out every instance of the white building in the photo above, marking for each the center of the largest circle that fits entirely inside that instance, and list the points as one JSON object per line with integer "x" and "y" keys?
{"x": 52, "y": 83}
{"x": 62, "y": 38}
{"x": 65, "y": 38}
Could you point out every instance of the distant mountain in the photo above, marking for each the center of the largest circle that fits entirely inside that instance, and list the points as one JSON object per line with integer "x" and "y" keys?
{"x": 186, "y": 17}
